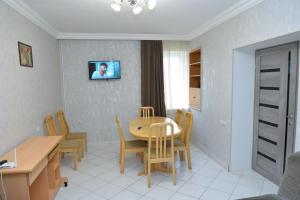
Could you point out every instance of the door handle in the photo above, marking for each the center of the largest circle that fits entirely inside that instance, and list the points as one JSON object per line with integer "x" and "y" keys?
{"x": 290, "y": 116}
{"x": 290, "y": 119}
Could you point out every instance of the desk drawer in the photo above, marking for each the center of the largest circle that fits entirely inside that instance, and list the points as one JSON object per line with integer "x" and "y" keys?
{"x": 37, "y": 171}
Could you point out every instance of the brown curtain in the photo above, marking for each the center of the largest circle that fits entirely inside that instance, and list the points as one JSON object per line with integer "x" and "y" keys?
{"x": 153, "y": 76}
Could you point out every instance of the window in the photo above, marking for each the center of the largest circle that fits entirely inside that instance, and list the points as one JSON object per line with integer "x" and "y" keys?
{"x": 176, "y": 73}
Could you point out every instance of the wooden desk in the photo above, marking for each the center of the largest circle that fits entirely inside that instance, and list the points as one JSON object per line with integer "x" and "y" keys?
{"x": 37, "y": 175}
{"x": 140, "y": 127}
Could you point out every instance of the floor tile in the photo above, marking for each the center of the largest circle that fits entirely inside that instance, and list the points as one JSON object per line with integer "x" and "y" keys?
{"x": 269, "y": 188}
{"x": 168, "y": 184}
{"x": 223, "y": 186}
{"x": 124, "y": 181}
{"x": 93, "y": 197}
{"x": 201, "y": 180}
{"x": 179, "y": 196}
{"x": 79, "y": 178}
{"x": 235, "y": 197}
{"x": 125, "y": 194}
{"x": 108, "y": 191}
{"x": 246, "y": 191}
{"x": 73, "y": 192}
{"x": 159, "y": 193}
{"x": 140, "y": 187}
{"x": 109, "y": 176}
{"x": 209, "y": 172}
{"x": 214, "y": 194}
{"x": 192, "y": 190}
{"x": 93, "y": 184}
{"x": 228, "y": 177}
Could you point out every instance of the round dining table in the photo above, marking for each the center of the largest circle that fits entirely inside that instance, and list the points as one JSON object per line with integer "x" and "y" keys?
{"x": 140, "y": 129}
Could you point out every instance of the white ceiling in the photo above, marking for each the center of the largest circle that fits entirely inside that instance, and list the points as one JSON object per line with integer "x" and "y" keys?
{"x": 179, "y": 18}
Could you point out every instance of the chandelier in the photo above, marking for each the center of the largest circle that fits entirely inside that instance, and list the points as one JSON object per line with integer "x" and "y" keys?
{"x": 136, "y": 5}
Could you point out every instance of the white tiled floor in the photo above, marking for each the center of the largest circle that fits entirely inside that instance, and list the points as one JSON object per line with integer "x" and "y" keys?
{"x": 98, "y": 178}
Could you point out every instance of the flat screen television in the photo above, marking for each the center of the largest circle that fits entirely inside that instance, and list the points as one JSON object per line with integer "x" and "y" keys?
{"x": 99, "y": 70}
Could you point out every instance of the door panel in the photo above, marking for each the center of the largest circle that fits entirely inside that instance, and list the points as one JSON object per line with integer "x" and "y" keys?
{"x": 267, "y": 148}
{"x": 270, "y": 97}
{"x": 269, "y": 114}
{"x": 268, "y": 132}
{"x": 273, "y": 93}
{"x": 271, "y": 79}
{"x": 263, "y": 162}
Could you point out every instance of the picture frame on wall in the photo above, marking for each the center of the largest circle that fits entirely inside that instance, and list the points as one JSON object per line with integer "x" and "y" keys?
{"x": 25, "y": 55}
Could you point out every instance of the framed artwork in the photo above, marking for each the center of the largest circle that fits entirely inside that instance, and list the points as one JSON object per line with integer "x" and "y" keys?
{"x": 25, "y": 55}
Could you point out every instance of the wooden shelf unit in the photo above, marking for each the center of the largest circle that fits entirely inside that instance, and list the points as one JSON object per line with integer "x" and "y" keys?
{"x": 195, "y": 78}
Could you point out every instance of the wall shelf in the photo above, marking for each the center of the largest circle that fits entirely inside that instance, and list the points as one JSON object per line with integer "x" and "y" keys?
{"x": 195, "y": 78}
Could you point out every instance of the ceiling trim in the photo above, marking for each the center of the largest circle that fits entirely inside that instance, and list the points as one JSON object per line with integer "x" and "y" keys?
{"x": 118, "y": 36}
{"x": 30, "y": 14}
{"x": 226, "y": 15}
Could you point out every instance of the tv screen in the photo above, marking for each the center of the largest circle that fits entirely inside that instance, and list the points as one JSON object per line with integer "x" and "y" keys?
{"x": 104, "y": 70}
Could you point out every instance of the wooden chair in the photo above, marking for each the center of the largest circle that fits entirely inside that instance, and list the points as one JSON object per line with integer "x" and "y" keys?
{"x": 66, "y": 131}
{"x": 179, "y": 117}
{"x": 133, "y": 146}
{"x": 147, "y": 111}
{"x": 65, "y": 146}
{"x": 158, "y": 149}
{"x": 183, "y": 144}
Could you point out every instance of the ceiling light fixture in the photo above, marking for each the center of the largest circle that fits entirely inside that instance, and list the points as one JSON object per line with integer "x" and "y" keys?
{"x": 136, "y": 5}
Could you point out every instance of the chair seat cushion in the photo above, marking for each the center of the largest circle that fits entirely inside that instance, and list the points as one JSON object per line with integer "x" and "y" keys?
{"x": 264, "y": 197}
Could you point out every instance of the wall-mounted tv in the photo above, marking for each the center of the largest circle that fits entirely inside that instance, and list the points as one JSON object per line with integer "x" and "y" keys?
{"x": 99, "y": 70}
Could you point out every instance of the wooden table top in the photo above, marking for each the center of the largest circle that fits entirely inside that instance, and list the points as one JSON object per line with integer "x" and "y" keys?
{"x": 30, "y": 153}
{"x": 144, "y": 123}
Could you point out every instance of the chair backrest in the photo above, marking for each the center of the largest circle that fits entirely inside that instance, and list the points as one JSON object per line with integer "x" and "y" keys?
{"x": 147, "y": 111}
{"x": 179, "y": 117}
{"x": 187, "y": 128}
{"x": 290, "y": 185}
{"x": 120, "y": 130}
{"x": 158, "y": 141}
{"x": 179, "y": 120}
{"x": 62, "y": 123}
{"x": 50, "y": 126}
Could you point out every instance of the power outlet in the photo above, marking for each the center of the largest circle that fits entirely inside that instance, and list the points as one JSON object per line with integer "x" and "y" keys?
{"x": 222, "y": 122}
{"x": 38, "y": 130}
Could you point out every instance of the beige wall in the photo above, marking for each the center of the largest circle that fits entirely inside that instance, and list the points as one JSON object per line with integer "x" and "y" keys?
{"x": 269, "y": 19}
{"x": 26, "y": 94}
